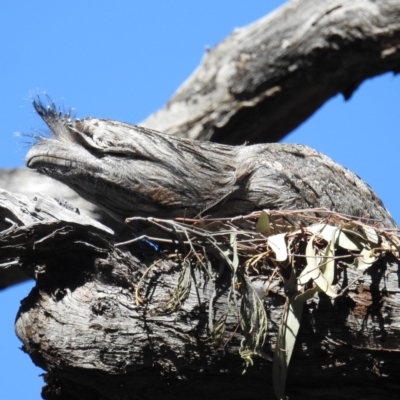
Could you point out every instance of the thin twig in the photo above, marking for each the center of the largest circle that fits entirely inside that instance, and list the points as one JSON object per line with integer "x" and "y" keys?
{"x": 232, "y": 336}
{"x": 351, "y": 283}
{"x": 139, "y": 300}
{"x": 150, "y": 238}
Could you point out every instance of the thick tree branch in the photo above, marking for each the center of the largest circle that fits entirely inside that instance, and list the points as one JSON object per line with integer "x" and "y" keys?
{"x": 30, "y": 183}
{"x": 82, "y": 322}
{"x": 267, "y": 78}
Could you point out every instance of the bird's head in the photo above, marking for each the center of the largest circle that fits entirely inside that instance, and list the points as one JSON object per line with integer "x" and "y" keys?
{"x": 129, "y": 170}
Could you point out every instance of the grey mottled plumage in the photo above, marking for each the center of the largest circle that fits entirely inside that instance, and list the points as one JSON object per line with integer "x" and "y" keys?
{"x": 132, "y": 171}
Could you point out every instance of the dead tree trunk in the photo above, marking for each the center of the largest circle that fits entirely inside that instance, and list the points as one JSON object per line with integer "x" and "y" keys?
{"x": 84, "y": 322}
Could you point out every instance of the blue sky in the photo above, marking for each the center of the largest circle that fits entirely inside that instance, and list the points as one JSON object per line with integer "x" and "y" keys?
{"x": 123, "y": 60}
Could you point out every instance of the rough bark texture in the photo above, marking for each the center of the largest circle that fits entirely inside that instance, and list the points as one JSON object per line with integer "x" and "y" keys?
{"x": 81, "y": 322}
{"x": 29, "y": 183}
{"x": 267, "y": 78}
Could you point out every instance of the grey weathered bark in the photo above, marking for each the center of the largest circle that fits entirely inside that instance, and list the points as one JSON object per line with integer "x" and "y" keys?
{"x": 267, "y": 78}
{"x": 81, "y": 322}
{"x": 29, "y": 183}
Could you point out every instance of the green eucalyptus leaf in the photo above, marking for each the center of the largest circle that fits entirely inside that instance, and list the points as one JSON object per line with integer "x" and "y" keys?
{"x": 324, "y": 286}
{"x": 285, "y": 342}
{"x": 371, "y": 234}
{"x": 322, "y": 230}
{"x": 279, "y": 247}
{"x": 352, "y": 232}
{"x": 314, "y": 272}
{"x": 233, "y": 243}
{"x": 311, "y": 271}
{"x": 327, "y": 266}
{"x": 263, "y": 224}
{"x": 368, "y": 258}
{"x": 307, "y": 294}
{"x": 328, "y": 263}
{"x": 350, "y": 240}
